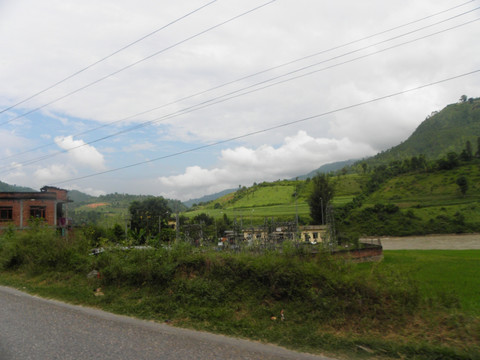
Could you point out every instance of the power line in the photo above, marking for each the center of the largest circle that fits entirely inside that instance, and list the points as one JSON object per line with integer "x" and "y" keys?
{"x": 215, "y": 100}
{"x": 139, "y": 61}
{"x": 106, "y": 57}
{"x": 238, "y": 93}
{"x": 261, "y": 72}
{"x": 270, "y": 128}
{"x": 221, "y": 99}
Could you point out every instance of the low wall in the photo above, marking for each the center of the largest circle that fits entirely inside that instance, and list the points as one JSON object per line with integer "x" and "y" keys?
{"x": 369, "y": 253}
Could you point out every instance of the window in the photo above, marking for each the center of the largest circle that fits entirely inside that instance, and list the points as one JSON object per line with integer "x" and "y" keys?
{"x": 37, "y": 211}
{"x": 6, "y": 213}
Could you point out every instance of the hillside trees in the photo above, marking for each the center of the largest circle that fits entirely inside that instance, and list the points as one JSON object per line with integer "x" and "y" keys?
{"x": 322, "y": 194}
{"x": 149, "y": 216}
{"x": 462, "y": 183}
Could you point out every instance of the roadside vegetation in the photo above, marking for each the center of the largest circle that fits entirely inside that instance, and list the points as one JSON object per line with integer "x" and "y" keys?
{"x": 412, "y": 305}
{"x": 403, "y": 307}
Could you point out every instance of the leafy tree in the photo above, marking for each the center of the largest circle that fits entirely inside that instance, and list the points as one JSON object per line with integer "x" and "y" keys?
{"x": 94, "y": 234}
{"x": 322, "y": 194}
{"x": 450, "y": 162}
{"x": 203, "y": 218}
{"x": 477, "y": 154}
{"x": 463, "y": 98}
{"x": 462, "y": 183}
{"x": 148, "y": 214}
{"x": 364, "y": 167}
{"x": 117, "y": 233}
{"x": 467, "y": 153}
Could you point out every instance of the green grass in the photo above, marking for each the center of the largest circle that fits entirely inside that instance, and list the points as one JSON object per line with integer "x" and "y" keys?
{"x": 271, "y": 195}
{"x": 443, "y": 275}
{"x": 433, "y": 188}
{"x": 257, "y": 215}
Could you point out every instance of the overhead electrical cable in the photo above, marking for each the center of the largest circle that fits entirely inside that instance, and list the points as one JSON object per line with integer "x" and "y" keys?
{"x": 236, "y": 94}
{"x": 242, "y": 136}
{"x": 277, "y": 67}
{"x": 106, "y": 57}
{"x": 139, "y": 61}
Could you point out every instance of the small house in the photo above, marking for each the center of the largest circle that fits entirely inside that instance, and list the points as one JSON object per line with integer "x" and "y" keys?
{"x": 19, "y": 208}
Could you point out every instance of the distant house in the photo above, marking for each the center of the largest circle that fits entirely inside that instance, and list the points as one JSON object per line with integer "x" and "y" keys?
{"x": 18, "y": 208}
{"x": 313, "y": 233}
{"x": 307, "y": 233}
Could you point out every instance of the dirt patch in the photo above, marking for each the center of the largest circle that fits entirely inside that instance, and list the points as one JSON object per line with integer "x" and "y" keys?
{"x": 94, "y": 206}
{"x": 432, "y": 242}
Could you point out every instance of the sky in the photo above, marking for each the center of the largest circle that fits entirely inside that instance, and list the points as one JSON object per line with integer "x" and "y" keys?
{"x": 183, "y": 99}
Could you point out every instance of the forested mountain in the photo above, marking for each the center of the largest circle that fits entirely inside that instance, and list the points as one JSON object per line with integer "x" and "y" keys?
{"x": 78, "y": 196}
{"x": 208, "y": 198}
{"x": 4, "y": 187}
{"x": 441, "y": 132}
{"x": 328, "y": 168}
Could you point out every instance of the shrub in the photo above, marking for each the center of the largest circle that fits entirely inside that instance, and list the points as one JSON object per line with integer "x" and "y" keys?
{"x": 41, "y": 249}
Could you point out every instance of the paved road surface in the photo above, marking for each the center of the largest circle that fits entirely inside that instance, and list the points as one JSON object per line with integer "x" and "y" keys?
{"x": 432, "y": 242}
{"x": 37, "y": 329}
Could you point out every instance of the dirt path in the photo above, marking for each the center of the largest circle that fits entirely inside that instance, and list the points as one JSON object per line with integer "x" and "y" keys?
{"x": 432, "y": 242}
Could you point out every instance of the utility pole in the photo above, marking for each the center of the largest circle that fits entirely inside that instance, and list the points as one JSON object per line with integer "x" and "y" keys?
{"x": 177, "y": 230}
{"x": 321, "y": 208}
{"x": 159, "y": 230}
{"x": 296, "y": 213}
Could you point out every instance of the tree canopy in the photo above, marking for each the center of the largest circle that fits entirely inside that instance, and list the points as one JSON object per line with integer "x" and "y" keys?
{"x": 322, "y": 194}
{"x": 149, "y": 215}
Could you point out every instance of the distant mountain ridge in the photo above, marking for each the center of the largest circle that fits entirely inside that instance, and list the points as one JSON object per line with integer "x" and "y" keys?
{"x": 4, "y": 187}
{"x": 208, "y": 198}
{"x": 328, "y": 168}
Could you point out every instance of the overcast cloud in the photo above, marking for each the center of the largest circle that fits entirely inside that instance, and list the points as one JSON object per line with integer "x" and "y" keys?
{"x": 170, "y": 102}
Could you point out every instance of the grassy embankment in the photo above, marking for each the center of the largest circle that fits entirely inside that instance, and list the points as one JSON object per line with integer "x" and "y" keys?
{"x": 415, "y": 305}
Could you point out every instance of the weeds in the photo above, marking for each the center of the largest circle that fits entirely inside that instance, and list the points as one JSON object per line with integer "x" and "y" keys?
{"x": 314, "y": 303}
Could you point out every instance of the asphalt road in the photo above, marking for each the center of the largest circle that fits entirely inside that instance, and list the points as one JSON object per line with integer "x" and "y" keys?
{"x": 32, "y": 328}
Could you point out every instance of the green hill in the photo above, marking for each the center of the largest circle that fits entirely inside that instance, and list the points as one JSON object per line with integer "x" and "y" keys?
{"x": 281, "y": 200}
{"x": 4, "y": 187}
{"x": 442, "y": 132}
{"x": 417, "y": 203}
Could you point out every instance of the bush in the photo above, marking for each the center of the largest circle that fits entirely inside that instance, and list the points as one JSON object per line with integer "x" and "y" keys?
{"x": 317, "y": 287}
{"x": 41, "y": 249}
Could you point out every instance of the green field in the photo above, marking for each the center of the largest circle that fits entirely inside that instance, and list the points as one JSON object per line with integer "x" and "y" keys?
{"x": 442, "y": 275}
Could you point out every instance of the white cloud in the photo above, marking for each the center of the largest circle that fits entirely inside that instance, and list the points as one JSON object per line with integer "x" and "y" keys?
{"x": 298, "y": 155}
{"x": 139, "y": 147}
{"x": 11, "y": 143}
{"x": 86, "y": 190}
{"x": 52, "y": 173}
{"x": 81, "y": 154}
{"x": 68, "y": 35}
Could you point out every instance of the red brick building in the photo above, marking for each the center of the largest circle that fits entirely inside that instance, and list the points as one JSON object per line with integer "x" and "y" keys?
{"x": 18, "y": 208}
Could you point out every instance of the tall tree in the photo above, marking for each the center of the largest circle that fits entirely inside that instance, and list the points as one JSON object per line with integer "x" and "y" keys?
{"x": 322, "y": 194}
{"x": 467, "y": 153}
{"x": 149, "y": 215}
{"x": 462, "y": 183}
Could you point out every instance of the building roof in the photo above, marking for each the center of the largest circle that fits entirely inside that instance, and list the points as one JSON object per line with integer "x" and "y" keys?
{"x": 46, "y": 193}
